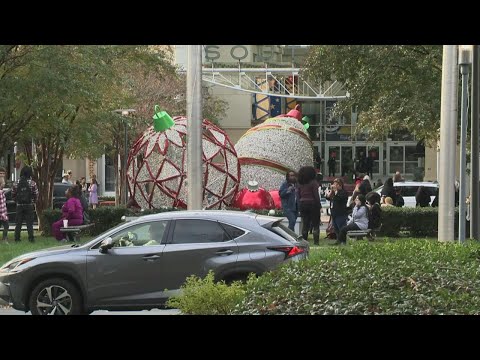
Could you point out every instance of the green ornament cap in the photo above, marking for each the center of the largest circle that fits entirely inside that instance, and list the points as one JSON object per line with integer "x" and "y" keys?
{"x": 306, "y": 119}
{"x": 161, "y": 120}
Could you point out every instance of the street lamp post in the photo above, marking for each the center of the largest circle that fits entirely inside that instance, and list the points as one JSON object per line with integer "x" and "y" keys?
{"x": 475, "y": 152}
{"x": 15, "y": 149}
{"x": 125, "y": 113}
{"x": 464, "y": 61}
{"x": 194, "y": 127}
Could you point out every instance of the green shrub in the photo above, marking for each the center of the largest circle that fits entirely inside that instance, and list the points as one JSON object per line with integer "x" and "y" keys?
{"x": 48, "y": 217}
{"x": 207, "y": 297}
{"x": 106, "y": 198}
{"x": 401, "y": 277}
{"x": 413, "y": 222}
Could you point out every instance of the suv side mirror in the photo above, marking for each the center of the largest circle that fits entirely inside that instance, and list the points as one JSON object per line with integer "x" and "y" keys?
{"x": 106, "y": 244}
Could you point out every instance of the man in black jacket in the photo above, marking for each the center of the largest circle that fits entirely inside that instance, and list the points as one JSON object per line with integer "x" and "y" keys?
{"x": 25, "y": 194}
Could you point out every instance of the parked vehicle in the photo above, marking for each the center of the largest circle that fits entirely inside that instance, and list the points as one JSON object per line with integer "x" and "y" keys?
{"x": 409, "y": 190}
{"x": 59, "y": 199}
{"x": 140, "y": 263}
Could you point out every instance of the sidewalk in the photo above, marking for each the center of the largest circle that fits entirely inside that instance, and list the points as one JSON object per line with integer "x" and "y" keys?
{"x": 24, "y": 227}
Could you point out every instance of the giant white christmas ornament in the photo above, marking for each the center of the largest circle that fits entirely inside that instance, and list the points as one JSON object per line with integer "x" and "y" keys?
{"x": 157, "y": 167}
{"x": 267, "y": 151}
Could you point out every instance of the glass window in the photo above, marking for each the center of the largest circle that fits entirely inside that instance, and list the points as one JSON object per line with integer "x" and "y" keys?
{"x": 396, "y": 166}
{"x": 148, "y": 234}
{"x": 396, "y": 153}
{"x": 284, "y": 232}
{"x": 410, "y": 167}
{"x": 198, "y": 231}
{"x": 109, "y": 174}
{"x": 411, "y": 153}
{"x": 233, "y": 231}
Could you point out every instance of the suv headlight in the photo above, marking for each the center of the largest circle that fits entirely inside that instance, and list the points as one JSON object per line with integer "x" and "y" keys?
{"x": 12, "y": 266}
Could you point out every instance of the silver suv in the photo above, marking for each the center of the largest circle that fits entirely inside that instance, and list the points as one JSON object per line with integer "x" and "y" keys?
{"x": 139, "y": 264}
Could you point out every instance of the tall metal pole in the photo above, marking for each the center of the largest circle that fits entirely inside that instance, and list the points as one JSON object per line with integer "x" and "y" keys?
{"x": 125, "y": 162}
{"x": 448, "y": 140}
{"x": 475, "y": 151}
{"x": 194, "y": 127}
{"x": 464, "y": 69}
{"x": 15, "y": 160}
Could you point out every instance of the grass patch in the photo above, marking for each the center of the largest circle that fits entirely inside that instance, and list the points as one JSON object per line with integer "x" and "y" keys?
{"x": 14, "y": 249}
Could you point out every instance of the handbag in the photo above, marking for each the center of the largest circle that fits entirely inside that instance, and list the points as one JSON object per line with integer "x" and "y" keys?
{"x": 330, "y": 230}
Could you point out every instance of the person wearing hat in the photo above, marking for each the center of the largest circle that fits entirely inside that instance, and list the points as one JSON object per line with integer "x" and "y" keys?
{"x": 65, "y": 179}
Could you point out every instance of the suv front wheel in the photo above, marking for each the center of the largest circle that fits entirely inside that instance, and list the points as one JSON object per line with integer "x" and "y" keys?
{"x": 55, "y": 297}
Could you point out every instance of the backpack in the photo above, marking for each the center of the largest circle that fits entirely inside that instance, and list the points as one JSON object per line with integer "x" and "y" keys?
{"x": 24, "y": 192}
{"x": 374, "y": 217}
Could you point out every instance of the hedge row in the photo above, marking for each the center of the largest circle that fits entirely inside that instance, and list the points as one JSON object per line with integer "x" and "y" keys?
{"x": 413, "y": 222}
{"x": 401, "y": 277}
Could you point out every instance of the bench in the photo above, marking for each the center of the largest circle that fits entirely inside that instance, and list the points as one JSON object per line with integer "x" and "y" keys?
{"x": 73, "y": 232}
{"x": 360, "y": 234}
{"x": 106, "y": 203}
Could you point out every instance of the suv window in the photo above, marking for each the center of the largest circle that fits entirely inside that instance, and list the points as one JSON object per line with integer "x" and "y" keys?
{"x": 59, "y": 190}
{"x": 148, "y": 234}
{"x": 409, "y": 190}
{"x": 198, "y": 231}
{"x": 284, "y": 232}
{"x": 232, "y": 231}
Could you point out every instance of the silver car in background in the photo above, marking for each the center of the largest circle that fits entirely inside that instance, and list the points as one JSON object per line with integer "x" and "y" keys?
{"x": 140, "y": 263}
{"x": 409, "y": 190}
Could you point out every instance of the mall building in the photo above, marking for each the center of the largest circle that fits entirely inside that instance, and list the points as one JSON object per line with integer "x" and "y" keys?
{"x": 262, "y": 81}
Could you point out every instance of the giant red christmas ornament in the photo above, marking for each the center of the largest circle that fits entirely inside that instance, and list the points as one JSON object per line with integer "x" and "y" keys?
{"x": 157, "y": 169}
{"x": 254, "y": 198}
{"x": 276, "y": 199}
{"x": 268, "y": 151}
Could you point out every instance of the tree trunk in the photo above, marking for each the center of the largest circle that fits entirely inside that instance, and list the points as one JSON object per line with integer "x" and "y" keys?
{"x": 45, "y": 176}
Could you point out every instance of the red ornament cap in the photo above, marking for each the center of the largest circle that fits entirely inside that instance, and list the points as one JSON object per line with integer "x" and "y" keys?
{"x": 295, "y": 113}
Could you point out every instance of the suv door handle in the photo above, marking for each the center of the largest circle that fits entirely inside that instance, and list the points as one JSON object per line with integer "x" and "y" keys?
{"x": 224, "y": 252}
{"x": 151, "y": 257}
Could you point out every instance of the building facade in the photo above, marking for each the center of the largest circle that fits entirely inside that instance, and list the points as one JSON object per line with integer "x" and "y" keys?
{"x": 332, "y": 136}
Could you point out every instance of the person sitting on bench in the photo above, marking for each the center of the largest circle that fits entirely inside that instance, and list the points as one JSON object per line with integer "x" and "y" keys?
{"x": 72, "y": 211}
{"x": 358, "y": 221}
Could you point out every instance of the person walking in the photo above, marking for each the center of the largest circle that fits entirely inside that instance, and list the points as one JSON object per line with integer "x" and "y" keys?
{"x": 288, "y": 197}
{"x": 332, "y": 164}
{"x": 25, "y": 194}
{"x": 309, "y": 202}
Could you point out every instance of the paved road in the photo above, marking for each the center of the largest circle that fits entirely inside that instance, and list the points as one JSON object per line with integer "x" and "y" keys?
{"x": 10, "y": 311}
